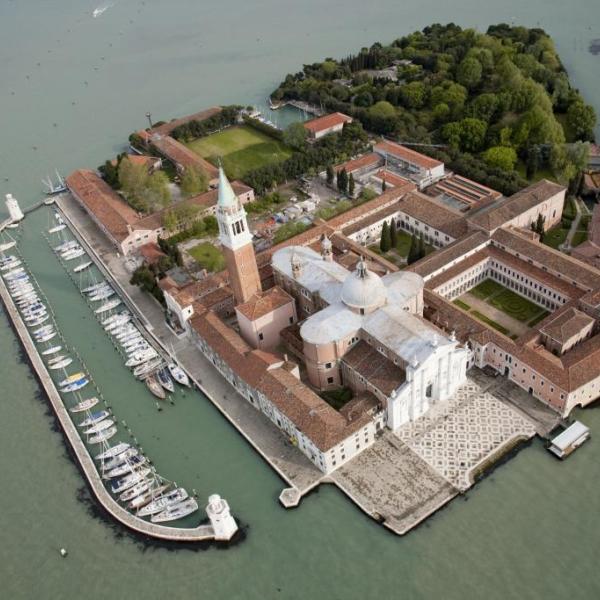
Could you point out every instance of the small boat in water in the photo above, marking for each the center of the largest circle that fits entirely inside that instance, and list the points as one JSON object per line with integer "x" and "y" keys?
{"x": 129, "y": 481}
{"x": 66, "y": 246}
{"x": 155, "y": 387}
{"x": 102, "y": 295}
{"x": 106, "y": 322}
{"x": 51, "y": 188}
{"x": 176, "y": 511}
{"x": 103, "y": 436}
{"x": 113, "y": 451}
{"x": 142, "y": 370}
{"x": 127, "y": 467}
{"x": 73, "y": 254}
{"x": 75, "y": 386}
{"x": 82, "y": 266}
{"x": 94, "y": 418}
{"x": 85, "y": 405}
{"x": 46, "y": 337}
{"x": 57, "y": 228}
{"x": 178, "y": 374}
{"x": 138, "y": 358}
{"x": 146, "y": 497}
{"x": 162, "y": 502}
{"x": 61, "y": 364}
{"x": 165, "y": 380}
{"x": 38, "y": 320}
{"x": 51, "y": 350}
{"x": 94, "y": 287}
{"x": 99, "y": 426}
{"x": 72, "y": 378}
{"x": 108, "y": 306}
{"x": 115, "y": 461}
{"x": 137, "y": 489}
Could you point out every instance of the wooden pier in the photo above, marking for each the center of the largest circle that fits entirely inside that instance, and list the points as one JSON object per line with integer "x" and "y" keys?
{"x": 136, "y": 524}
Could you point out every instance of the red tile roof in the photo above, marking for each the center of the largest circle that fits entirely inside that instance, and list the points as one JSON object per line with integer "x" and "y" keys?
{"x": 408, "y": 155}
{"x": 327, "y": 122}
{"x": 263, "y": 303}
{"x": 182, "y": 155}
{"x": 367, "y": 160}
{"x": 103, "y": 202}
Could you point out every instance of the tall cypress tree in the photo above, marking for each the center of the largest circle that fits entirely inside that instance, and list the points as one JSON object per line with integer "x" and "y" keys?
{"x": 351, "y": 185}
{"x": 330, "y": 174}
{"x": 383, "y": 185}
{"x": 385, "y": 243}
{"x": 393, "y": 233}
{"x": 413, "y": 252}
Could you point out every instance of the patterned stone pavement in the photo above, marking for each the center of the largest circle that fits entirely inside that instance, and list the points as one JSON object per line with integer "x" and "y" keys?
{"x": 456, "y": 436}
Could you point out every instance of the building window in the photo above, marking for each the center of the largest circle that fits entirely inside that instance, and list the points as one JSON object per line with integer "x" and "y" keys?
{"x": 328, "y": 365}
{"x": 261, "y": 336}
{"x": 330, "y": 380}
{"x": 291, "y": 320}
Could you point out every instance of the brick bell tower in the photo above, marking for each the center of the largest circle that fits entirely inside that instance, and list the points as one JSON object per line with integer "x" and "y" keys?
{"x": 236, "y": 241}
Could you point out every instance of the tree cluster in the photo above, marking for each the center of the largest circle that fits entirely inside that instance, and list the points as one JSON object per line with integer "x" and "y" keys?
{"x": 144, "y": 192}
{"x": 492, "y": 95}
{"x": 195, "y": 129}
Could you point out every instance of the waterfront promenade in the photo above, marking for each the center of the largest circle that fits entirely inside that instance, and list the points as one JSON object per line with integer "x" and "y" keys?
{"x": 88, "y": 467}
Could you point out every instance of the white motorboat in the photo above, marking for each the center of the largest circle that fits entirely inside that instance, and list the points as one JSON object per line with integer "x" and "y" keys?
{"x": 82, "y": 267}
{"x": 36, "y": 310}
{"x": 112, "y": 318}
{"x": 66, "y": 245}
{"x": 100, "y": 426}
{"x": 118, "y": 326}
{"x": 129, "y": 336}
{"x": 61, "y": 364}
{"x": 7, "y": 245}
{"x": 94, "y": 287}
{"x": 108, "y": 306}
{"x": 23, "y": 290}
{"x": 51, "y": 188}
{"x": 146, "y": 497}
{"x": 18, "y": 272}
{"x": 51, "y": 350}
{"x": 103, "y": 436}
{"x": 128, "y": 466}
{"x": 115, "y": 461}
{"x": 46, "y": 337}
{"x": 74, "y": 254}
{"x": 100, "y": 290}
{"x": 10, "y": 265}
{"x": 55, "y": 359}
{"x": 102, "y": 295}
{"x": 136, "y": 346}
{"x": 57, "y": 228}
{"x": 94, "y": 418}
{"x": 39, "y": 320}
{"x": 176, "y": 511}
{"x": 85, "y": 405}
{"x": 129, "y": 480}
{"x": 137, "y": 489}
{"x": 139, "y": 358}
{"x": 43, "y": 329}
{"x": 147, "y": 367}
{"x": 178, "y": 374}
{"x": 164, "y": 501}
{"x": 113, "y": 451}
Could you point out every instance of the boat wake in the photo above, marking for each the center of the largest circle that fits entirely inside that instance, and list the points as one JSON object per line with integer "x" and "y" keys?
{"x": 100, "y": 10}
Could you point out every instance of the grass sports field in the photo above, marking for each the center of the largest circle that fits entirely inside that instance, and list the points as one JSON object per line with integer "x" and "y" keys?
{"x": 241, "y": 149}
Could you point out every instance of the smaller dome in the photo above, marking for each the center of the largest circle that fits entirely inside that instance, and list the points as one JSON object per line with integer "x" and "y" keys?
{"x": 363, "y": 290}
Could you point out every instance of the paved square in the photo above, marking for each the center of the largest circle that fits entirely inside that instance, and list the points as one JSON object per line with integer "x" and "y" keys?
{"x": 456, "y": 436}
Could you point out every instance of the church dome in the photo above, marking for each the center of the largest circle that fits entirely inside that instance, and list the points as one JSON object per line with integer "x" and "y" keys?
{"x": 363, "y": 290}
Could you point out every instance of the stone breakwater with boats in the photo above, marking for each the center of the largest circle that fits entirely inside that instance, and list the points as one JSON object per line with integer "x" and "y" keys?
{"x": 123, "y": 479}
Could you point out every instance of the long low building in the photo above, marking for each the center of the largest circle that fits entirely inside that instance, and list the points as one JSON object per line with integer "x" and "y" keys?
{"x": 127, "y": 229}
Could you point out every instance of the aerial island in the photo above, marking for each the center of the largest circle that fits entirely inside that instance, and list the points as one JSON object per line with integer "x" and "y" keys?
{"x": 392, "y": 292}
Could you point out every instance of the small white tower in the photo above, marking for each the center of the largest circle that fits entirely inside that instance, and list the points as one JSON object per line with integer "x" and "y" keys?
{"x": 326, "y": 246}
{"x": 223, "y": 523}
{"x": 14, "y": 210}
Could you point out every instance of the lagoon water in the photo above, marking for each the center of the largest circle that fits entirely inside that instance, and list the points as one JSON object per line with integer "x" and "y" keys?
{"x": 72, "y": 88}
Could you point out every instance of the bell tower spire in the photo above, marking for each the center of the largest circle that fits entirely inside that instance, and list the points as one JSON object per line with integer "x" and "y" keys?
{"x": 236, "y": 241}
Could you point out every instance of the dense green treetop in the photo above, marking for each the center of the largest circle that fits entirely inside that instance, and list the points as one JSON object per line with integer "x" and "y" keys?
{"x": 469, "y": 90}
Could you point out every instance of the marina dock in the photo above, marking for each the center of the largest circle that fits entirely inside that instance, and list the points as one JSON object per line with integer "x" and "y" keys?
{"x": 88, "y": 467}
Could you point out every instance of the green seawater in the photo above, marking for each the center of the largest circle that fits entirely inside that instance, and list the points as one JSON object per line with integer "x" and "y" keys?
{"x": 529, "y": 530}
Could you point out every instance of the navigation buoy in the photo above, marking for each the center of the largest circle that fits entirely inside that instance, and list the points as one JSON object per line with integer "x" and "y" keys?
{"x": 63, "y": 552}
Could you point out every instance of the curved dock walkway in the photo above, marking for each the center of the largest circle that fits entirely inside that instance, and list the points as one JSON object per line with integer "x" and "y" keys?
{"x": 197, "y": 534}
